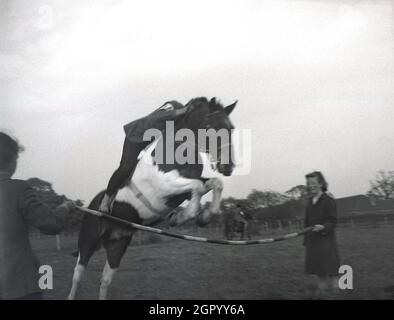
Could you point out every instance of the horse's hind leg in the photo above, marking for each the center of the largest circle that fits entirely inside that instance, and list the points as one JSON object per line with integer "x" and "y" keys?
{"x": 115, "y": 251}
{"x": 77, "y": 276}
{"x": 87, "y": 245}
{"x": 106, "y": 280}
{"x": 83, "y": 258}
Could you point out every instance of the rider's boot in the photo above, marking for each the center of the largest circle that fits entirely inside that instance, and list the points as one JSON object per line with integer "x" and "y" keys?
{"x": 106, "y": 203}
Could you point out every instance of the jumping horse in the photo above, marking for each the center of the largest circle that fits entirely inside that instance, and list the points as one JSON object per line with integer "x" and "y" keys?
{"x": 156, "y": 189}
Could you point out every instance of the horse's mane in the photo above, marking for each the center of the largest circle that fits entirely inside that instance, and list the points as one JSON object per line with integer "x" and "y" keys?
{"x": 199, "y": 108}
{"x": 199, "y": 102}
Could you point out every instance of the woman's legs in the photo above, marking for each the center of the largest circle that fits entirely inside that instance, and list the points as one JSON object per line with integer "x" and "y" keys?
{"x": 311, "y": 286}
{"x": 127, "y": 165}
{"x": 333, "y": 288}
{"x": 317, "y": 287}
{"x": 322, "y": 285}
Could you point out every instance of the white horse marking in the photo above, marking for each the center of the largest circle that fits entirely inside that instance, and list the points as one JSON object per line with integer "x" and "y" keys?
{"x": 78, "y": 273}
{"x": 106, "y": 280}
{"x": 216, "y": 185}
{"x": 157, "y": 186}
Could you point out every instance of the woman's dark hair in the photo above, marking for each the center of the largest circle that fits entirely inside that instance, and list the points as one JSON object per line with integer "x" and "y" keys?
{"x": 9, "y": 150}
{"x": 320, "y": 178}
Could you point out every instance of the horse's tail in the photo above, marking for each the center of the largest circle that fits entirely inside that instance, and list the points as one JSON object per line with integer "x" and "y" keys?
{"x": 94, "y": 205}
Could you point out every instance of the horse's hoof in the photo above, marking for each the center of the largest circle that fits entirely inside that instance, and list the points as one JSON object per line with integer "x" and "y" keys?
{"x": 172, "y": 220}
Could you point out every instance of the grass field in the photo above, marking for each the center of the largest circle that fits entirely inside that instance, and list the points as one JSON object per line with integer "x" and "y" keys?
{"x": 178, "y": 269}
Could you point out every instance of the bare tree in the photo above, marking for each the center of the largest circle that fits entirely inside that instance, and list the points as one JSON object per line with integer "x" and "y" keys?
{"x": 49, "y": 196}
{"x": 266, "y": 198}
{"x": 297, "y": 192}
{"x": 383, "y": 186}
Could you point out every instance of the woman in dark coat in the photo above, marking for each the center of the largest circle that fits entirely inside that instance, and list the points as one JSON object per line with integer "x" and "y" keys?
{"x": 322, "y": 258}
{"x": 20, "y": 208}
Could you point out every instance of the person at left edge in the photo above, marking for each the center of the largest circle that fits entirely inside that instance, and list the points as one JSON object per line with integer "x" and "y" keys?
{"x": 21, "y": 208}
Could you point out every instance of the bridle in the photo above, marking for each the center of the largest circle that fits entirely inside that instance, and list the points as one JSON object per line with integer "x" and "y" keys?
{"x": 206, "y": 125}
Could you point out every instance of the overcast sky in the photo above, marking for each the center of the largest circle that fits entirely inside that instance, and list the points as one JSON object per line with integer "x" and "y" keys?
{"x": 314, "y": 80}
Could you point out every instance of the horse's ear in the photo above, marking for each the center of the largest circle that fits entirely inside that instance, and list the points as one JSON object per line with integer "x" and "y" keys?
{"x": 230, "y": 108}
{"x": 212, "y": 103}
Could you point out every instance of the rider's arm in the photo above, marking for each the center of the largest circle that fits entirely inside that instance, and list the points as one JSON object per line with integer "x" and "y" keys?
{"x": 165, "y": 113}
{"x": 171, "y": 114}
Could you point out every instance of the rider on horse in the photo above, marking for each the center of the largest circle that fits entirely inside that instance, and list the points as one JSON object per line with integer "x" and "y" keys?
{"x": 134, "y": 144}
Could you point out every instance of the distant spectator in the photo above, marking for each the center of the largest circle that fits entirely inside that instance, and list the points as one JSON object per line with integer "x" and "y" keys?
{"x": 239, "y": 214}
{"x": 19, "y": 209}
{"x": 322, "y": 258}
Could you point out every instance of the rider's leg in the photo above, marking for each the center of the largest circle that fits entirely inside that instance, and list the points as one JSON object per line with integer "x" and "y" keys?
{"x": 127, "y": 165}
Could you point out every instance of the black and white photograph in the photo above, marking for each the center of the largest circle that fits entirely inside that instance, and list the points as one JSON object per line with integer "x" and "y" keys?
{"x": 217, "y": 151}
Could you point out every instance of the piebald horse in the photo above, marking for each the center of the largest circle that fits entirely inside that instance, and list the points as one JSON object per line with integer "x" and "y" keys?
{"x": 156, "y": 189}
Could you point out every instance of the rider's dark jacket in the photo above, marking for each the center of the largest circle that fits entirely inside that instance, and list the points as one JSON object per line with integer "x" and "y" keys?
{"x": 156, "y": 120}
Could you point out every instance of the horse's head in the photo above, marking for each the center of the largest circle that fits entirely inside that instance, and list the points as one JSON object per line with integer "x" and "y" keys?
{"x": 212, "y": 118}
{"x": 218, "y": 121}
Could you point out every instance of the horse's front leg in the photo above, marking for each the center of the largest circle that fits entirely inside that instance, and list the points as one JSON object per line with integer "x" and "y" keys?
{"x": 213, "y": 208}
{"x": 193, "y": 208}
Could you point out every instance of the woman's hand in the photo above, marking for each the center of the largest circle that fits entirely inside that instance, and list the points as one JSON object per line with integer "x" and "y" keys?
{"x": 317, "y": 228}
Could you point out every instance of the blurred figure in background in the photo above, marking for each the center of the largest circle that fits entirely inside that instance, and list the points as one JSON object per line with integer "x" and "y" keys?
{"x": 236, "y": 222}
